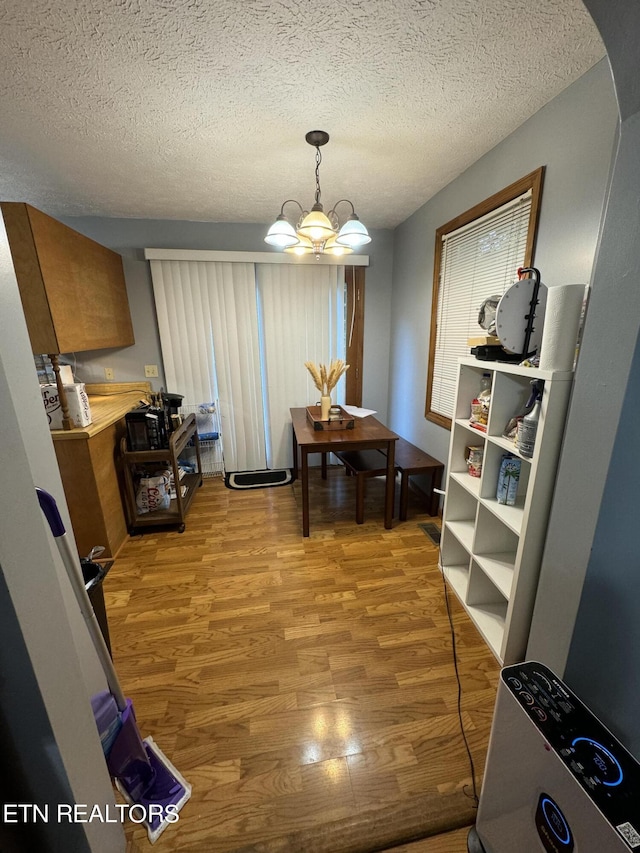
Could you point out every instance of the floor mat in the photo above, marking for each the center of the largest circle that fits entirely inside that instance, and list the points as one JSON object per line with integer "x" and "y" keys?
{"x": 257, "y": 479}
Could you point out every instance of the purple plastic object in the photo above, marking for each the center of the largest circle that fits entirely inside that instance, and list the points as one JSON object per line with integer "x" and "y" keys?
{"x": 49, "y": 507}
{"x": 164, "y": 791}
{"x": 128, "y": 760}
{"x": 107, "y": 717}
{"x": 142, "y": 774}
{"x": 105, "y": 710}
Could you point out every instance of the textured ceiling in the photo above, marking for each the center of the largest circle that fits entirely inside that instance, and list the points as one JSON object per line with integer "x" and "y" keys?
{"x": 197, "y": 109}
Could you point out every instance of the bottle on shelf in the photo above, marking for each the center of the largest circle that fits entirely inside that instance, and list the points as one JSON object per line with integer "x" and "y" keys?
{"x": 480, "y": 404}
{"x": 529, "y": 428}
{"x": 513, "y": 427}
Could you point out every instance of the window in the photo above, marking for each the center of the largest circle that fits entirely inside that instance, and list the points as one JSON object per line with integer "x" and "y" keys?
{"x": 476, "y": 255}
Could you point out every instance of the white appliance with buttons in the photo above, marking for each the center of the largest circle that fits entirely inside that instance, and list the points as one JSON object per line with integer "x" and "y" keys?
{"x": 556, "y": 779}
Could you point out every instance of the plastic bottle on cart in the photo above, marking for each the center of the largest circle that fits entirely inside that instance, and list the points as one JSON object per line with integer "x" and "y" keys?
{"x": 480, "y": 404}
{"x": 529, "y": 429}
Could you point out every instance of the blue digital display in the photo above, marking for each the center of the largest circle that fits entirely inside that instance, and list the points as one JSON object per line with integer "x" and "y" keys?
{"x": 553, "y": 830}
{"x": 555, "y": 820}
{"x": 598, "y": 761}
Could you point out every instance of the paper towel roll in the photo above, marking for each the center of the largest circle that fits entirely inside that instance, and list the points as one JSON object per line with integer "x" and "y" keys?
{"x": 561, "y": 325}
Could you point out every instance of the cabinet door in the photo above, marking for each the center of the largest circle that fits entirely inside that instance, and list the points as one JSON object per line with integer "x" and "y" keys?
{"x": 92, "y": 490}
{"x": 72, "y": 289}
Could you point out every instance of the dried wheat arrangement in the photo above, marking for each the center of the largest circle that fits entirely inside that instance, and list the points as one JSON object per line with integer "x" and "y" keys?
{"x": 325, "y": 379}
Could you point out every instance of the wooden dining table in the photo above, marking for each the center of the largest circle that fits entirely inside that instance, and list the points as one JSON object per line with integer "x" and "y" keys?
{"x": 366, "y": 433}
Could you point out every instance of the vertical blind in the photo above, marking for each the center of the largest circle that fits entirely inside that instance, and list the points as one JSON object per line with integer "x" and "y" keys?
{"x": 301, "y": 314}
{"x": 208, "y": 324}
{"x": 478, "y": 260}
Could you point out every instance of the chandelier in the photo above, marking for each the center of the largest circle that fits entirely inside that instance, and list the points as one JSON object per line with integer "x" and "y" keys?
{"x": 315, "y": 231}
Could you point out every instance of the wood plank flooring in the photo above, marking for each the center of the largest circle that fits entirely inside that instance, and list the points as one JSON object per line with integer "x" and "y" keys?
{"x": 305, "y": 687}
{"x": 449, "y": 842}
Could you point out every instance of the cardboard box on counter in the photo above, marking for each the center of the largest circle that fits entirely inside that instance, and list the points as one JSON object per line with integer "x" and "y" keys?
{"x": 77, "y": 400}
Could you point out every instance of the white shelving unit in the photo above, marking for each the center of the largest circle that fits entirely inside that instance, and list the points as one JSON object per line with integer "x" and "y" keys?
{"x": 490, "y": 553}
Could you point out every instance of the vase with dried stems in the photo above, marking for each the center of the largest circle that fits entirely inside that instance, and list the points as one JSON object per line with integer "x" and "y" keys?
{"x": 325, "y": 379}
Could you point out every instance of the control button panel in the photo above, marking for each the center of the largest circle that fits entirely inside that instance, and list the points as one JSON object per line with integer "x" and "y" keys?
{"x": 604, "y": 768}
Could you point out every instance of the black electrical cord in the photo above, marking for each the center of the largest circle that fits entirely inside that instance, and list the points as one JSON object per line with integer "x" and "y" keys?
{"x": 474, "y": 795}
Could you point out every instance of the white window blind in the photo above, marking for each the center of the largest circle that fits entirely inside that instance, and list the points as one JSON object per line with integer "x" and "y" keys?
{"x": 478, "y": 260}
{"x": 301, "y": 313}
{"x": 208, "y": 323}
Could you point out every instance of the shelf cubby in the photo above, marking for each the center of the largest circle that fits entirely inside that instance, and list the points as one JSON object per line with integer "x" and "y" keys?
{"x": 487, "y": 607}
{"x": 458, "y": 577}
{"x": 461, "y": 439}
{"x": 463, "y": 531}
{"x": 454, "y": 550}
{"x": 469, "y": 380}
{"x": 511, "y": 394}
{"x": 493, "y": 456}
{"x": 471, "y": 484}
{"x": 495, "y": 550}
{"x": 463, "y": 504}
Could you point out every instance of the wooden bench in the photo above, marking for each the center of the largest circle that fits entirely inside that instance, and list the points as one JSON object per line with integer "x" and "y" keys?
{"x": 409, "y": 460}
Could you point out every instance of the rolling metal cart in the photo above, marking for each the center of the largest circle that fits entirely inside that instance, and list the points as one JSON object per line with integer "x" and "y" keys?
{"x": 185, "y": 484}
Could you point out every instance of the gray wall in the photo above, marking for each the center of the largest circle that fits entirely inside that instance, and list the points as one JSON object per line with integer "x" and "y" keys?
{"x": 592, "y": 546}
{"x": 131, "y": 236}
{"x": 606, "y": 641}
{"x": 576, "y": 150}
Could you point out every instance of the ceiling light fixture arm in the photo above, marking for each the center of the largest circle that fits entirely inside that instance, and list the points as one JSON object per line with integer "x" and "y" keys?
{"x": 333, "y": 215}
{"x": 303, "y": 212}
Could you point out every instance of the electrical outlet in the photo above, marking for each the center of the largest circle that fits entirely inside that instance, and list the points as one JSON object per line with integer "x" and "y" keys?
{"x": 151, "y": 370}
{"x": 108, "y": 373}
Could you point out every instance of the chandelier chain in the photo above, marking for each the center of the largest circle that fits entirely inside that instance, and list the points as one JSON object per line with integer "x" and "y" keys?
{"x": 318, "y": 161}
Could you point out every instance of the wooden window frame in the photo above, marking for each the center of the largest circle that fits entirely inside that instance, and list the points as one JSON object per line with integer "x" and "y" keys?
{"x": 533, "y": 181}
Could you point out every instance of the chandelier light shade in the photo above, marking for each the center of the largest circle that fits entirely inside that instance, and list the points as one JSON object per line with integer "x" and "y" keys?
{"x": 353, "y": 233}
{"x": 316, "y": 225}
{"x": 282, "y": 233}
{"x": 314, "y": 231}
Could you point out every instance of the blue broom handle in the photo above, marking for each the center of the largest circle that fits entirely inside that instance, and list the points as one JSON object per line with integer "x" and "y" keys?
{"x": 72, "y": 566}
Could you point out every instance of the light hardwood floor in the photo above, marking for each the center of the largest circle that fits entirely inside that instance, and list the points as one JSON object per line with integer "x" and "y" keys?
{"x": 304, "y": 687}
{"x": 448, "y": 842}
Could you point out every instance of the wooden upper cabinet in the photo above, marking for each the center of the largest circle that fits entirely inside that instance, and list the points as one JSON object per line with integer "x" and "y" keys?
{"x": 72, "y": 288}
